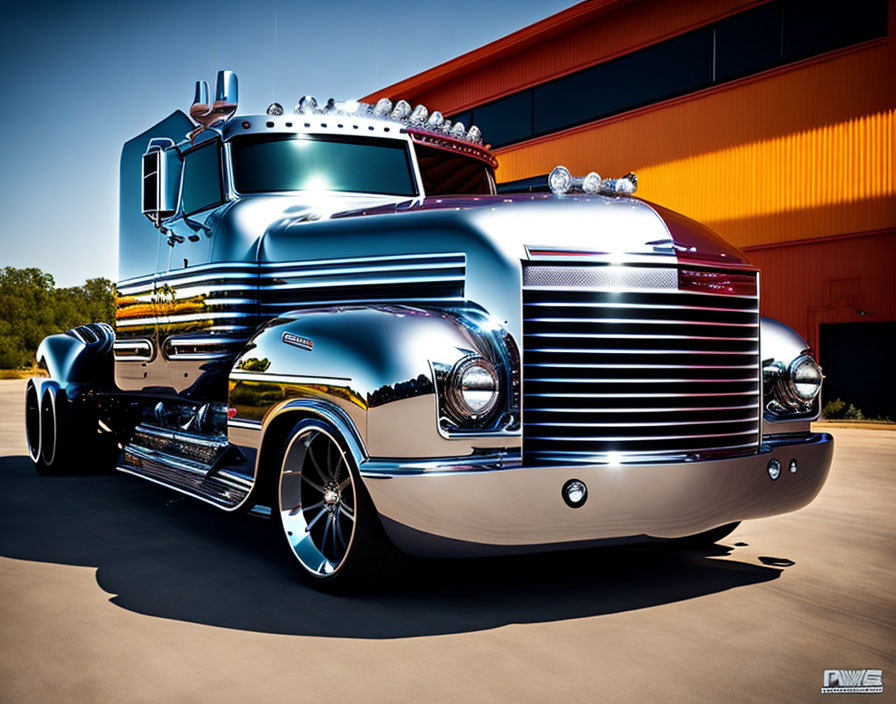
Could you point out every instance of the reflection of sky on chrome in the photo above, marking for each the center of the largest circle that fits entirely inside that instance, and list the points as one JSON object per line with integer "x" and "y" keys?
{"x": 83, "y": 78}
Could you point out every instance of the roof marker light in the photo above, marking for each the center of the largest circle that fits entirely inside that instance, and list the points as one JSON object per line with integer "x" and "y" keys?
{"x": 274, "y": 109}
{"x": 306, "y": 105}
{"x": 475, "y": 134}
{"x": 402, "y": 110}
{"x": 458, "y": 130}
{"x": 383, "y": 107}
{"x": 435, "y": 120}
{"x": 591, "y": 184}
{"x": 419, "y": 115}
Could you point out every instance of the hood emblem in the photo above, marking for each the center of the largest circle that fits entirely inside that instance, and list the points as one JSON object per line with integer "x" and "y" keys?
{"x": 298, "y": 341}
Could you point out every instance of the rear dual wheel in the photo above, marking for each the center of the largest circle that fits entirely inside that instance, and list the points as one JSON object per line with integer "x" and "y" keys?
{"x": 62, "y": 438}
{"x": 327, "y": 516}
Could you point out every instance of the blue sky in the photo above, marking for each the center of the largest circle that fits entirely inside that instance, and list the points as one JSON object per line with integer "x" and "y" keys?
{"x": 81, "y": 79}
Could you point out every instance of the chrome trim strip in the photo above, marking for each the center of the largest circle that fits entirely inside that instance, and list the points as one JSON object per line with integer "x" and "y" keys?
{"x": 376, "y": 468}
{"x": 748, "y": 419}
{"x": 649, "y": 410}
{"x": 298, "y": 273}
{"x": 316, "y": 303}
{"x": 268, "y": 266}
{"x": 203, "y": 341}
{"x": 281, "y": 378}
{"x": 585, "y": 380}
{"x": 561, "y": 365}
{"x": 182, "y": 318}
{"x": 359, "y": 282}
{"x": 571, "y": 350}
{"x": 618, "y": 438}
{"x": 584, "y": 395}
{"x": 244, "y": 424}
{"x": 626, "y": 336}
{"x": 641, "y": 321}
{"x": 198, "y": 267}
{"x": 591, "y": 456}
{"x": 646, "y": 306}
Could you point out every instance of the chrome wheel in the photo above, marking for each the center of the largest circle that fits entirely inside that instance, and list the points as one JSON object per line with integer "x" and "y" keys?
{"x": 317, "y": 500}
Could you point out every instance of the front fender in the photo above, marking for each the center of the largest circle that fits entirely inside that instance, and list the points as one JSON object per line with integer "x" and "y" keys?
{"x": 781, "y": 343}
{"x": 374, "y": 363}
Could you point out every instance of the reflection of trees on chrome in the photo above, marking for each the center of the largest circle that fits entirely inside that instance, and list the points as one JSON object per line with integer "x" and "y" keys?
{"x": 254, "y": 398}
{"x": 405, "y": 389}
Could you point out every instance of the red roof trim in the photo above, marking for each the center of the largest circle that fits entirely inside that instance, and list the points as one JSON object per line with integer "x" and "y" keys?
{"x": 450, "y": 144}
{"x": 494, "y": 50}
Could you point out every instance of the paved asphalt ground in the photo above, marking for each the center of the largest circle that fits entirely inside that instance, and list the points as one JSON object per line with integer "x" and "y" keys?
{"x": 116, "y": 590}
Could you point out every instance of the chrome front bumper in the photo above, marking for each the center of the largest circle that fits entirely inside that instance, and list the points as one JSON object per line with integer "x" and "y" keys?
{"x": 450, "y": 508}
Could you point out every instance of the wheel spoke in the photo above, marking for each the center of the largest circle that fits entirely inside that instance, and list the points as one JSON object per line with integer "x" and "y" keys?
{"x": 336, "y": 469}
{"x": 344, "y": 484}
{"x": 313, "y": 483}
{"x": 335, "y": 527}
{"x": 330, "y": 446}
{"x": 323, "y": 543}
{"x": 315, "y": 520}
{"x": 320, "y": 472}
{"x": 347, "y": 511}
{"x": 300, "y": 507}
{"x": 339, "y": 531}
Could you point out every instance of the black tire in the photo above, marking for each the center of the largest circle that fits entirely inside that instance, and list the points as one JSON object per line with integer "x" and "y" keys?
{"x": 706, "y": 538}
{"x": 68, "y": 441}
{"x": 330, "y": 524}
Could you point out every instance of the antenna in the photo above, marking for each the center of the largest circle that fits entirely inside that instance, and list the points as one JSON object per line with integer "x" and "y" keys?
{"x": 379, "y": 32}
{"x": 274, "y": 62}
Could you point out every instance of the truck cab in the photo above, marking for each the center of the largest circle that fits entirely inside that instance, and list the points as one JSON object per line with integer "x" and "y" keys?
{"x": 330, "y": 317}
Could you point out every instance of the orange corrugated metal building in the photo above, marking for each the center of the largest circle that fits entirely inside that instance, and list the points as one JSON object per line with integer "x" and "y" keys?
{"x": 772, "y": 122}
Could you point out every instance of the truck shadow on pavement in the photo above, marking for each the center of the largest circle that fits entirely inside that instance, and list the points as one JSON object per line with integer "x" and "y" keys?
{"x": 164, "y": 555}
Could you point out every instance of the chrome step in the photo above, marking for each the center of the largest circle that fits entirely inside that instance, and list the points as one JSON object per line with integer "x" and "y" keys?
{"x": 196, "y": 465}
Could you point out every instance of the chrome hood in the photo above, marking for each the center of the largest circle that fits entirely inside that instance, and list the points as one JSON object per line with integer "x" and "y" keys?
{"x": 490, "y": 235}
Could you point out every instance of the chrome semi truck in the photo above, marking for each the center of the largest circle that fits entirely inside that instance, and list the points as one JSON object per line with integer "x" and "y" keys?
{"x": 330, "y": 317}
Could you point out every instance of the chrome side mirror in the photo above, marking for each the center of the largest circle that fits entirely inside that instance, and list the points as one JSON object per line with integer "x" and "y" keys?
{"x": 160, "y": 177}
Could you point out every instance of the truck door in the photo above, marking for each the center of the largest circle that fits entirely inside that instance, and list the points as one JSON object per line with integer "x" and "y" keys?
{"x": 191, "y": 335}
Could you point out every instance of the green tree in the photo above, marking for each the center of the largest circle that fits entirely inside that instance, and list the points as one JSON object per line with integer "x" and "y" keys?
{"x": 31, "y": 307}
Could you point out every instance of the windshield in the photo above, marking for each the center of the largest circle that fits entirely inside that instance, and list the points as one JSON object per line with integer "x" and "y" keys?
{"x": 264, "y": 164}
{"x": 445, "y": 173}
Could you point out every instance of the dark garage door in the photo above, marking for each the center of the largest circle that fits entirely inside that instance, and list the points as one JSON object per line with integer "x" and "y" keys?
{"x": 858, "y": 359}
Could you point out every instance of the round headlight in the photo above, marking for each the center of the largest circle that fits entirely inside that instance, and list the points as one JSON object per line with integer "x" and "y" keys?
{"x": 472, "y": 388}
{"x": 804, "y": 378}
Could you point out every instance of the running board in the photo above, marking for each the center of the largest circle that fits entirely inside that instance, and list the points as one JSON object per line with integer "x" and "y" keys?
{"x": 185, "y": 462}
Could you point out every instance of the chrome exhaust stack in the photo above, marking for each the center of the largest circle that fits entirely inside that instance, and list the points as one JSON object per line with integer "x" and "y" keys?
{"x": 208, "y": 114}
{"x": 201, "y": 109}
{"x": 226, "y": 96}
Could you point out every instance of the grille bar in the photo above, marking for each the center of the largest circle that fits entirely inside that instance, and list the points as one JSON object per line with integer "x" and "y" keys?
{"x": 681, "y": 368}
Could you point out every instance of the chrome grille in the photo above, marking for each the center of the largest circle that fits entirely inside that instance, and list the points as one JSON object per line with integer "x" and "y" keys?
{"x": 636, "y": 372}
